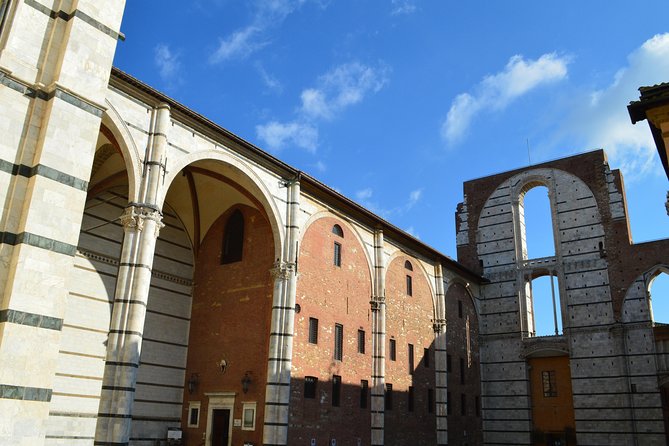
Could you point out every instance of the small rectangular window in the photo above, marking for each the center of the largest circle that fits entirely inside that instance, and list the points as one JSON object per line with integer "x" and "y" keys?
{"x": 249, "y": 417}
{"x": 336, "y": 390}
{"x": 462, "y": 370}
{"x": 393, "y": 350}
{"x": 409, "y": 286}
{"x": 194, "y": 414}
{"x": 389, "y": 397}
{"x": 460, "y": 309}
{"x": 430, "y": 400}
{"x": 426, "y": 358}
{"x": 313, "y": 330}
{"x": 448, "y": 403}
{"x": 361, "y": 341}
{"x": 477, "y": 405}
{"x": 364, "y": 391}
{"x": 410, "y": 402}
{"x": 310, "y": 383}
{"x": 338, "y": 342}
{"x": 337, "y": 254}
{"x": 463, "y": 404}
{"x": 411, "y": 364}
{"x": 549, "y": 383}
{"x": 448, "y": 363}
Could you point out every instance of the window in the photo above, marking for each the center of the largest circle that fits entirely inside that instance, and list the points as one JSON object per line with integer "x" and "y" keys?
{"x": 364, "y": 391}
{"x": 336, "y": 391}
{"x": 313, "y": 330}
{"x": 4, "y": 10}
{"x": 462, "y": 370}
{"x": 393, "y": 350}
{"x": 549, "y": 384}
{"x": 463, "y": 404}
{"x": 337, "y": 254}
{"x": 408, "y": 265}
{"x": 477, "y": 405}
{"x": 233, "y": 239}
{"x": 430, "y": 400}
{"x": 337, "y": 230}
{"x": 426, "y": 358}
{"x": 249, "y": 417}
{"x": 338, "y": 341}
{"x": 389, "y": 397}
{"x": 448, "y": 403}
{"x": 409, "y": 286}
{"x": 460, "y": 309}
{"x": 194, "y": 414}
{"x": 448, "y": 363}
{"x": 411, "y": 364}
{"x": 410, "y": 402}
{"x": 310, "y": 383}
{"x": 361, "y": 341}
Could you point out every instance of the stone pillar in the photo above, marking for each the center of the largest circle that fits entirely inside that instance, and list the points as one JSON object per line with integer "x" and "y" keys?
{"x": 440, "y": 344}
{"x": 142, "y": 222}
{"x": 378, "y": 305}
{"x": 54, "y": 72}
{"x": 277, "y": 394}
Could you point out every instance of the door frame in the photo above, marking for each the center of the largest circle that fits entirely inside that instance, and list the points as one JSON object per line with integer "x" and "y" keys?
{"x": 220, "y": 400}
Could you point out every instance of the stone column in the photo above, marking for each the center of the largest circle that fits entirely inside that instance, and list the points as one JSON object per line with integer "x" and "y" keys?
{"x": 142, "y": 222}
{"x": 277, "y": 394}
{"x": 378, "y": 305}
{"x": 441, "y": 376}
{"x": 54, "y": 72}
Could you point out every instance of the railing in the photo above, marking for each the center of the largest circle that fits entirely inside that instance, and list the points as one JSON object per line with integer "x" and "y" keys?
{"x": 541, "y": 261}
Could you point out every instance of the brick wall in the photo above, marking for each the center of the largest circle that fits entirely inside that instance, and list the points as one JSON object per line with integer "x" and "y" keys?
{"x": 230, "y": 320}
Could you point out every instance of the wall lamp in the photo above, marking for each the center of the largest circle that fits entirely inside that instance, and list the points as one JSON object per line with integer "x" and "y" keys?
{"x": 246, "y": 381}
{"x": 193, "y": 381}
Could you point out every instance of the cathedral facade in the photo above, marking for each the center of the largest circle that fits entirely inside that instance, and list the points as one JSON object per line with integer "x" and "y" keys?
{"x": 166, "y": 282}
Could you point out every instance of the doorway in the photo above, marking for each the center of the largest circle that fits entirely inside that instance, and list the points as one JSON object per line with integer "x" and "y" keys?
{"x": 220, "y": 427}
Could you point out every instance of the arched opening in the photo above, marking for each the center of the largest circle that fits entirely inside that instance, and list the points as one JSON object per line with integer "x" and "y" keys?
{"x": 658, "y": 293}
{"x": 536, "y": 223}
{"x": 546, "y": 308}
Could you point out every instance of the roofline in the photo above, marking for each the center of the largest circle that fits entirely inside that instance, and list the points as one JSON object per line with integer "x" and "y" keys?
{"x": 121, "y": 80}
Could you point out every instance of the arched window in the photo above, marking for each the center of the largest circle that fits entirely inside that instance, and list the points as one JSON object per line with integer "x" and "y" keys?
{"x": 233, "y": 239}
{"x": 658, "y": 293}
{"x": 337, "y": 230}
{"x": 409, "y": 279}
{"x": 546, "y": 310}
{"x": 536, "y": 224}
{"x": 408, "y": 265}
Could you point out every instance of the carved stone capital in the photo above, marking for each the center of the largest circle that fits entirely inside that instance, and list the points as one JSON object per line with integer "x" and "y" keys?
{"x": 283, "y": 270}
{"x": 134, "y": 217}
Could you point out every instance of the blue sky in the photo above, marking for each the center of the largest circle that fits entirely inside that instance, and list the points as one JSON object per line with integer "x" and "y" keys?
{"x": 395, "y": 103}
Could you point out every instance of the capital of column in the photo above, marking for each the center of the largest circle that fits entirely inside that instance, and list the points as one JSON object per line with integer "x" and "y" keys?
{"x": 135, "y": 216}
{"x": 283, "y": 270}
{"x": 376, "y": 302}
{"x": 439, "y": 325}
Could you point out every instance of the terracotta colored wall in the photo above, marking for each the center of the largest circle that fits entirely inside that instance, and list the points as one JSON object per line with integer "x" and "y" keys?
{"x": 551, "y": 414}
{"x": 409, "y": 321}
{"x": 463, "y": 429}
{"x": 333, "y": 295}
{"x": 230, "y": 319}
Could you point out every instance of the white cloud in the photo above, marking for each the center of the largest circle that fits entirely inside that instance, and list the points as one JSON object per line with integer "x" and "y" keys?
{"x": 363, "y": 194}
{"x": 341, "y": 87}
{"x": 168, "y": 63}
{"x": 267, "y": 14}
{"x": 601, "y": 120}
{"x": 401, "y": 7}
{"x": 336, "y": 90}
{"x": 412, "y": 231}
{"x": 497, "y": 91}
{"x": 240, "y": 45}
{"x": 277, "y": 135}
{"x": 271, "y": 82}
{"x": 415, "y": 196}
